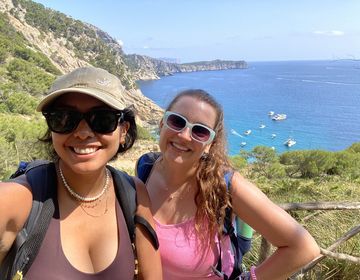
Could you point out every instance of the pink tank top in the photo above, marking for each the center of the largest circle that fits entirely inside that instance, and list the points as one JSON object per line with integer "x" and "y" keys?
{"x": 181, "y": 257}
{"x": 51, "y": 263}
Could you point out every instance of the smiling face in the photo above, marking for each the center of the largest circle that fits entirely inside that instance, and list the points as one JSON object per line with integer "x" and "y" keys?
{"x": 83, "y": 150}
{"x": 179, "y": 147}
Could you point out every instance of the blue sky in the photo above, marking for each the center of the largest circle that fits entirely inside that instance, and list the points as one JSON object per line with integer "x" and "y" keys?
{"x": 196, "y": 30}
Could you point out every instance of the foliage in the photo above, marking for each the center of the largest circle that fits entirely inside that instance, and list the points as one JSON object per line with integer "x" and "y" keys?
{"x": 32, "y": 80}
{"x": 238, "y": 162}
{"x": 23, "y": 69}
{"x": 265, "y": 162}
{"x": 36, "y": 58}
{"x": 143, "y": 133}
{"x": 19, "y": 103}
{"x": 354, "y": 148}
{"x": 308, "y": 164}
{"x": 18, "y": 141}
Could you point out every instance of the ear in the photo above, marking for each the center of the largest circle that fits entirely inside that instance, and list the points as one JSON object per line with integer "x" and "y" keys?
{"x": 161, "y": 124}
{"x": 124, "y": 127}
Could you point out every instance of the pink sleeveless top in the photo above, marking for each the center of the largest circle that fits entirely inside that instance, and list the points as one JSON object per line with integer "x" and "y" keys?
{"x": 51, "y": 263}
{"x": 181, "y": 257}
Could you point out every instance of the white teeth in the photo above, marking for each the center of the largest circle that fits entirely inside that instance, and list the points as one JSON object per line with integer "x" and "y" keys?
{"x": 180, "y": 147}
{"x": 84, "y": 151}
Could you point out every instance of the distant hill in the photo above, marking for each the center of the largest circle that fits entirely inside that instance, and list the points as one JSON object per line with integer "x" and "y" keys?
{"x": 147, "y": 68}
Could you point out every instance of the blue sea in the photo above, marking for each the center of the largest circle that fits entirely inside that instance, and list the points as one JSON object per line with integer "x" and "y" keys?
{"x": 320, "y": 98}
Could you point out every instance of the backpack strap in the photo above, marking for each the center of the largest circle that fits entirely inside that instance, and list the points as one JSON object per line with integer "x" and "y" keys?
{"x": 41, "y": 176}
{"x": 239, "y": 244}
{"x": 125, "y": 190}
{"x": 144, "y": 165}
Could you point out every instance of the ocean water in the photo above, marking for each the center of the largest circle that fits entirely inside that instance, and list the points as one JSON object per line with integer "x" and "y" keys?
{"x": 320, "y": 98}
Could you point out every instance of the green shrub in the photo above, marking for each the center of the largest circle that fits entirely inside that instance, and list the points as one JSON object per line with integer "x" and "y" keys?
{"x": 266, "y": 162}
{"x": 29, "y": 78}
{"x": 238, "y": 162}
{"x": 21, "y": 103}
{"x": 308, "y": 164}
{"x": 143, "y": 133}
{"x": 18, "y": 141}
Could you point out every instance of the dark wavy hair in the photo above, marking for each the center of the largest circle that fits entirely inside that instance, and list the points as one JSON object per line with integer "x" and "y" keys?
{"x": 131, "y": 136}
{"x": 212, "y": 197}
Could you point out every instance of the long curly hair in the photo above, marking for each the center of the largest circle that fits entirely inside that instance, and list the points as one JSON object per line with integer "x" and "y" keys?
{"x": 212, "y": 197}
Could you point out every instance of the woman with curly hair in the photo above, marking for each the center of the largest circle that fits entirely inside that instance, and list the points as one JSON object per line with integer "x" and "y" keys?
{"x": 189, "y": 196}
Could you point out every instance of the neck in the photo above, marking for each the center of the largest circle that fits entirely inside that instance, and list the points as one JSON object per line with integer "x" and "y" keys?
{"x": 177, "y": 175}
{"x": 85, "y": 184}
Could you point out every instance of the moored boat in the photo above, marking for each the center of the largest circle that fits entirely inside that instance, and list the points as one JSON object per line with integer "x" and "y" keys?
{"x": 279, "y": 117}
{"x": 290, "y": 142}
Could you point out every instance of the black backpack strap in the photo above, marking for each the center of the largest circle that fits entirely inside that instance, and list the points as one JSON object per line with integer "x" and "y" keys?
{"x": 125, "y": 190}
{"x": 41, "y": 176}
{"x": 144, "y": 165}
{"x": 140, "y": 220}
{"x": 126, "y": 195}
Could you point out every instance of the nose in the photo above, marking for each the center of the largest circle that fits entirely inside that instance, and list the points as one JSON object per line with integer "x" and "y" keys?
{"x": 83, "y": 130}
{"x": 185, "y": 133}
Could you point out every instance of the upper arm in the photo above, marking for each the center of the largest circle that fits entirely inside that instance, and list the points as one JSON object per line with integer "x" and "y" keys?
{"x": 15, "y": 206}
{"x": 149, "y": 257}
{"x": 257, "y": 210}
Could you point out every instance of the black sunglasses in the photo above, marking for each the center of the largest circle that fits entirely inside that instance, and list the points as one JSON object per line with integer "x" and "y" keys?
{"x": 199, "y": 132}
{"x": 99, "y": 120}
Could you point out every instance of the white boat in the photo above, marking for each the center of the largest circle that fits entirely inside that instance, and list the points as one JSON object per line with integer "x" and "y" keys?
{"x": 271, "y": 113}
{"x": 273, "y": 135}
{"x": 279, "y": 117}
{"x": 247, "y": 132}
{"x": 262, "y": 126}
{"x": 242, "y": 144}
{"x": 290, "y": 142}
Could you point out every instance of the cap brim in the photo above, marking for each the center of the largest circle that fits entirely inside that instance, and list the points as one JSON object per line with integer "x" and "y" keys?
{"x": 106, "y": 98}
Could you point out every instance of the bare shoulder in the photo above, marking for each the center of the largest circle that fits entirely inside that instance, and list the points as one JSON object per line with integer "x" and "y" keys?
{"x": 241, "y": 185}
{"x": 15, "y": 198}
{"x": 15, "y": 206}
{"x": 141, "y": 193}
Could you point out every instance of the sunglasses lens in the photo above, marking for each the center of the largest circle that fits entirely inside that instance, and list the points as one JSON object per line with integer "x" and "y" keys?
{"x": 103, "y": 121}
{"x": 175, "y": 122}
{"x": 62, "y": 121}
{"x": 200, "y": 133}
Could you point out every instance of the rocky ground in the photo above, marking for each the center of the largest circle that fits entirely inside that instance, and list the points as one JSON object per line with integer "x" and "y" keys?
{"x": 126, "y": 162}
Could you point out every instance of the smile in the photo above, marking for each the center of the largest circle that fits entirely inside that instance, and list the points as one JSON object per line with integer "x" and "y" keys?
{"x": 85, "y": 151}
{"x": 180, "y": 147}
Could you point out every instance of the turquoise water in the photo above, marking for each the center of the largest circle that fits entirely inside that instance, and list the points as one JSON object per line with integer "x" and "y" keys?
{"x": 320, "y": 98}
